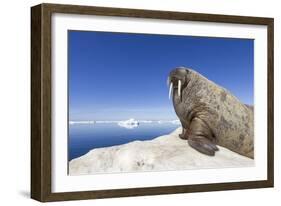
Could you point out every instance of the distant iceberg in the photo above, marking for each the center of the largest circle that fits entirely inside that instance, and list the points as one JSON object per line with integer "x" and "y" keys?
{"x": 129, "y": 124}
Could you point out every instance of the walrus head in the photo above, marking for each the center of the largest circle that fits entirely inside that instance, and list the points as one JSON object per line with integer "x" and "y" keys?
{"x": 178, "y": 80}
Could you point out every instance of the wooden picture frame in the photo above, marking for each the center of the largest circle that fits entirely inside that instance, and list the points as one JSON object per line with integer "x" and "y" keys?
{"x": 41, "y": 98}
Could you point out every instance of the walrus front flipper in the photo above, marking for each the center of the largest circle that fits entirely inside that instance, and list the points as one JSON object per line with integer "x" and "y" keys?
{"x": 200, "y": 138}
{"x": 203, "y": 145}
{"x": 183, "y": 134}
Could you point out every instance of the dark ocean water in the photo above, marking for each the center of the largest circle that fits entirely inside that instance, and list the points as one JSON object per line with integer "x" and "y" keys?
{"x": 85, "y": 137}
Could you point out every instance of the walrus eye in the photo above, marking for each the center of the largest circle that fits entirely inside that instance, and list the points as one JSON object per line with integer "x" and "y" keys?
{"x": 179, "y": 88}
{"x": 170, "y": 90}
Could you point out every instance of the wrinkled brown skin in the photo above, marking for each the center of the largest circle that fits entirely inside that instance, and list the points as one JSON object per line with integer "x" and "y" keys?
{"x": 210, "y": 115}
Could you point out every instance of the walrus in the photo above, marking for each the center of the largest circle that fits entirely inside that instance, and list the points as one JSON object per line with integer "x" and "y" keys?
{"x": 210, "y": 115}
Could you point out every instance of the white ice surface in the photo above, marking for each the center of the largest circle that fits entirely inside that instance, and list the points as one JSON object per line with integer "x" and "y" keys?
{"x": 167, "y": 152}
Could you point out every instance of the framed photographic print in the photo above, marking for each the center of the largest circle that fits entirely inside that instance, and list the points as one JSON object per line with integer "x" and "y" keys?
{"x": 130, "y": 102}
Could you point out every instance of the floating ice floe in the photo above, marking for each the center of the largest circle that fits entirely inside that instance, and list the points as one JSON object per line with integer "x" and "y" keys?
{"x": 169, "y": 121}
{"x": 81, "y": 122}
{"x": 145, "y": 121}
{"x": 129, "y": 124}
{"x": 106, "y": 121}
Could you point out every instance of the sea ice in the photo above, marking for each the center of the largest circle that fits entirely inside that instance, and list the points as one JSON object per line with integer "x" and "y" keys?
{"x": 129, "y": 124}
{"x": 167, "y": 152}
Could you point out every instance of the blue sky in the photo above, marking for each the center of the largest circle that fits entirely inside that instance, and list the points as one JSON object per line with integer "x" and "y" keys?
{"x": 115, "y": 76}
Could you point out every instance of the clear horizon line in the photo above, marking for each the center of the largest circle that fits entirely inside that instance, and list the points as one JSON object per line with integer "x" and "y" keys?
{"x": 89, "y": 120}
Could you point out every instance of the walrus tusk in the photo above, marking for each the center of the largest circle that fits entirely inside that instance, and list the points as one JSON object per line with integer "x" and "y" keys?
{"x": 170, "y": 90}
{"x": 179, "y": 88}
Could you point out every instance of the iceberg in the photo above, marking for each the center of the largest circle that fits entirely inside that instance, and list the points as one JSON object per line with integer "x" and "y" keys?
{"x": 129, "y": 124}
